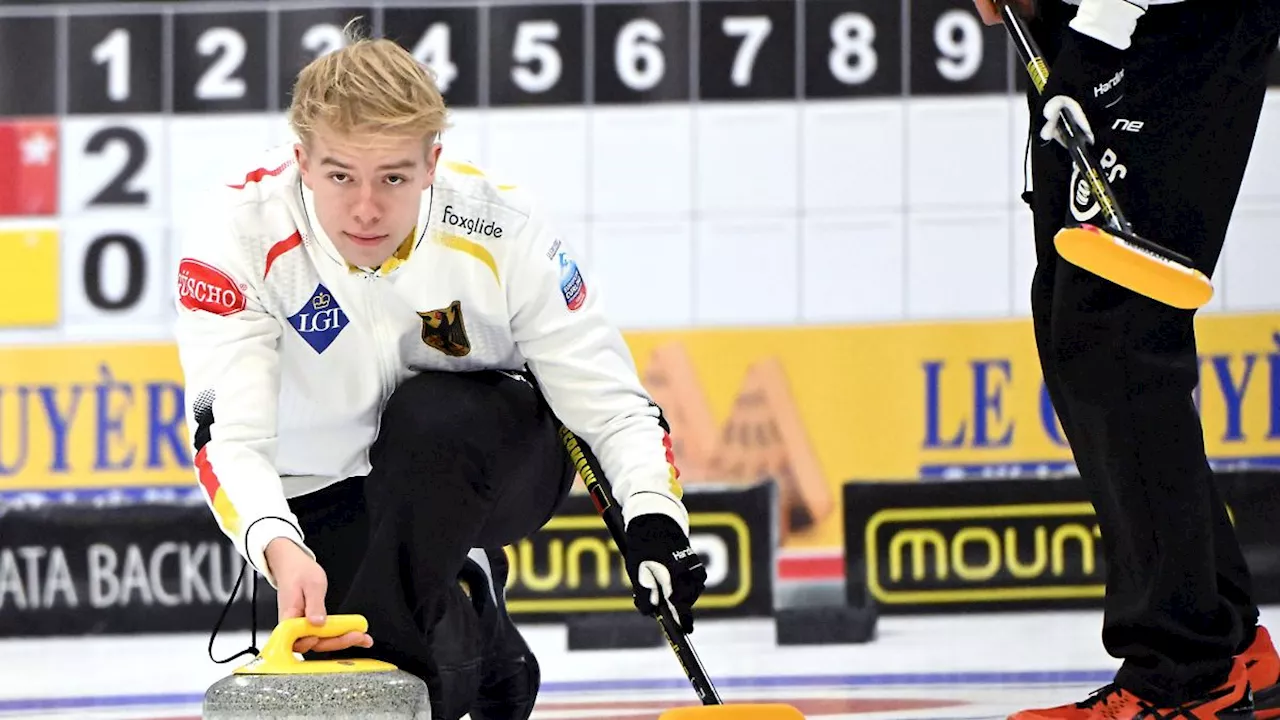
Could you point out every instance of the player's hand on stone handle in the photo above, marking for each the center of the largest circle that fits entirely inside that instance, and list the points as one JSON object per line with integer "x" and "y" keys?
{"x": 663, "y": 565}
{"x": 989, "y": 10}
{"x": 300, "y": 587}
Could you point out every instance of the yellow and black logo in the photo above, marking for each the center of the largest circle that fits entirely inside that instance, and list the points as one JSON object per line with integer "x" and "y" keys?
{"x": 445, "y": 330}
{"x": 572, "y": 565}
{"x": 984, "y": 554}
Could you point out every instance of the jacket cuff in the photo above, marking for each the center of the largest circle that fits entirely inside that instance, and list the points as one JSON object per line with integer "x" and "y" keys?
{"x": 645, "y": 503}
{"x": 1109, "y": 21}
{"x": 261, "y": 533}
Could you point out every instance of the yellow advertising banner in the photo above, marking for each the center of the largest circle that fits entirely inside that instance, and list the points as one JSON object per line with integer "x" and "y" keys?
{"x": 92, "y": 416}
{"x": 813, "y": 407}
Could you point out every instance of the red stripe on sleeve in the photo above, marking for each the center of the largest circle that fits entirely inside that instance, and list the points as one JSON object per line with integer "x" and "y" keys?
{"x": 257, "y": 175}
{"x": 281, "y": 248}
{"x": 208, "y": 479}
{"x": 671, "y": 455}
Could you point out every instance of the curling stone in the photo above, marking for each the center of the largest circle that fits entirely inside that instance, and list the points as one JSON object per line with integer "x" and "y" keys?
{"x": 280, "y": 685}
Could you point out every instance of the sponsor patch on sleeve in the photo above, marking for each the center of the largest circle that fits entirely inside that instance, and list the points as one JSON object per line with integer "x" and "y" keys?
{"x": 204, "y": 287}
{"x": 571, "y": 284}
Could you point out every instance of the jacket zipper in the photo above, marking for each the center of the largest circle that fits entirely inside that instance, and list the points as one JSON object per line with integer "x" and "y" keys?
{"x": 384, "y": 349}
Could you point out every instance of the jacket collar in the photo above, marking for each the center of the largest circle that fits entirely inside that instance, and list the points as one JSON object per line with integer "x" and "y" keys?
{"x": 402, "y": 253}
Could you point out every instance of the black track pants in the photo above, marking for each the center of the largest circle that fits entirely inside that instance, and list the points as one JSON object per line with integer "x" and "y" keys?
{"x": 462, "y": 460}
{"x": 1121, "y": 368}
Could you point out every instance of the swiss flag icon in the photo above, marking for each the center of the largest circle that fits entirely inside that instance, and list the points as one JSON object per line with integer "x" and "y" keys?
{"x": 28, "y": 167}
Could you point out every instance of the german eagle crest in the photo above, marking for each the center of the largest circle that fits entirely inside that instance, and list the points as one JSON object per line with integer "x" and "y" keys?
{"x": 445, "y": 331}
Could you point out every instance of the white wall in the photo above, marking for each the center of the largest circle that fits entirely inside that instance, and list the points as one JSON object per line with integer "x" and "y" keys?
{"x": 876, "y": 206}
{"x": 819, "y": 212}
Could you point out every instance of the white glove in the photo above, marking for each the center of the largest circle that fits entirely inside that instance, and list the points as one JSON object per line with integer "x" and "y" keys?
{"x": 657, "y": 579}
{"x": 1052, "y": 130}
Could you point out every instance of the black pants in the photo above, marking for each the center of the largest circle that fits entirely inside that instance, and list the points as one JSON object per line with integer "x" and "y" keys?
{"x": 1121, "y": 368}
{"x": 462, "y": 460}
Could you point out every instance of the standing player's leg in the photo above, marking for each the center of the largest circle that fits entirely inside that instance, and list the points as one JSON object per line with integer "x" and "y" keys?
{"x": 1050, "y": 175}
{"x": 1250, "y": 60}
{"x": 1121, "y": 368}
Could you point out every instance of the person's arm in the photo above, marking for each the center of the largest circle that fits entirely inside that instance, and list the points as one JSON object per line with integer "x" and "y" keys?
{"x": 989, "y": 10}
{"x": 1086, "y": 77}
{"x": 587, "y": 374}
{"x": 1109, "y": 21}
{"x": 227, "y": 347}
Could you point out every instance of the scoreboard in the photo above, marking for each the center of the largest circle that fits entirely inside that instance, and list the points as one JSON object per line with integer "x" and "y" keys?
{"x": 197, "y": 58}
{"x": 114, "y": 117}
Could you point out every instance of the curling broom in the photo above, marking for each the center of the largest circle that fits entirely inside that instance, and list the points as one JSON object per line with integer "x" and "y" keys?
{"x": 712, "y": 706}
{"x": 1115, "y": 252}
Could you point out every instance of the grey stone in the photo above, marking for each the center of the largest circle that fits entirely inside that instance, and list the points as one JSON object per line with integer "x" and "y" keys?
{"x": 379, "y": 695}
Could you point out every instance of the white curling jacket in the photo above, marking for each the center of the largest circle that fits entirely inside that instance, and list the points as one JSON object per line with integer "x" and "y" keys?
{"x": 290, "y": 354}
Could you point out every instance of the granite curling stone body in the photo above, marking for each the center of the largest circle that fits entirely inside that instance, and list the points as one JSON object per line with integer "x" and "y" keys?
{"x": 277, "y": 685}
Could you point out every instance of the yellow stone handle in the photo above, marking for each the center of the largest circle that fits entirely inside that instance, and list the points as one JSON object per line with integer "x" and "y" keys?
{"x": 278, "y": 650}
{"x": 277, "y": 656}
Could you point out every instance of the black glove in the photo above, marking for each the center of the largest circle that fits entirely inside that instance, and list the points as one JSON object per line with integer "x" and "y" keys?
{"x": 1087, "y": 80}
{"x": 659, "y": 558}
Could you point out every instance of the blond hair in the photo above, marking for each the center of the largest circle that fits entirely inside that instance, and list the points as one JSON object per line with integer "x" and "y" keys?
{"x": 370, "y": 90}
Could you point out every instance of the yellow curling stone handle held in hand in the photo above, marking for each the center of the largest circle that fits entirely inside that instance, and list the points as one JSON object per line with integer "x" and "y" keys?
{"x": 277, "y": 656}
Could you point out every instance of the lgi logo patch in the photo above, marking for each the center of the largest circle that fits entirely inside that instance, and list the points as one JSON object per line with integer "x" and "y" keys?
{"x": 320, "y": 319}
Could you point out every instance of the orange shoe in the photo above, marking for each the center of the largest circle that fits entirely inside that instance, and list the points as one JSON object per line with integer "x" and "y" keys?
{"x": 1233, "y": 700}
{"x": 1263, "y": 665}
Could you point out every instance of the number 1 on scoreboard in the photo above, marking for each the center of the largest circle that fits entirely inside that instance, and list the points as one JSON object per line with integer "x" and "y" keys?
{"x": 114, "y": 64}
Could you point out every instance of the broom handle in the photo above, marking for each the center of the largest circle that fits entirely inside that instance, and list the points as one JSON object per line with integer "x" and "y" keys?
{"x": 601, "y": 493}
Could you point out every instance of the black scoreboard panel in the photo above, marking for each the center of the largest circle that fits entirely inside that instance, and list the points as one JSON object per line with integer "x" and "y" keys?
{"x": 537, "y": 54}
{"x": 747, "y": 50}
{"x": 115, "y": 64}
{"x": 220, "y": 62}
{"x": 305, "y": 34}
{"x": 445, "y": 38}
{"x": 643, "y": 53}
{"x": 29, "y": 66}
{"x": 964, "y": 55}
{"x": 845, "y": 53}
{"x": 243, "y": 56}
